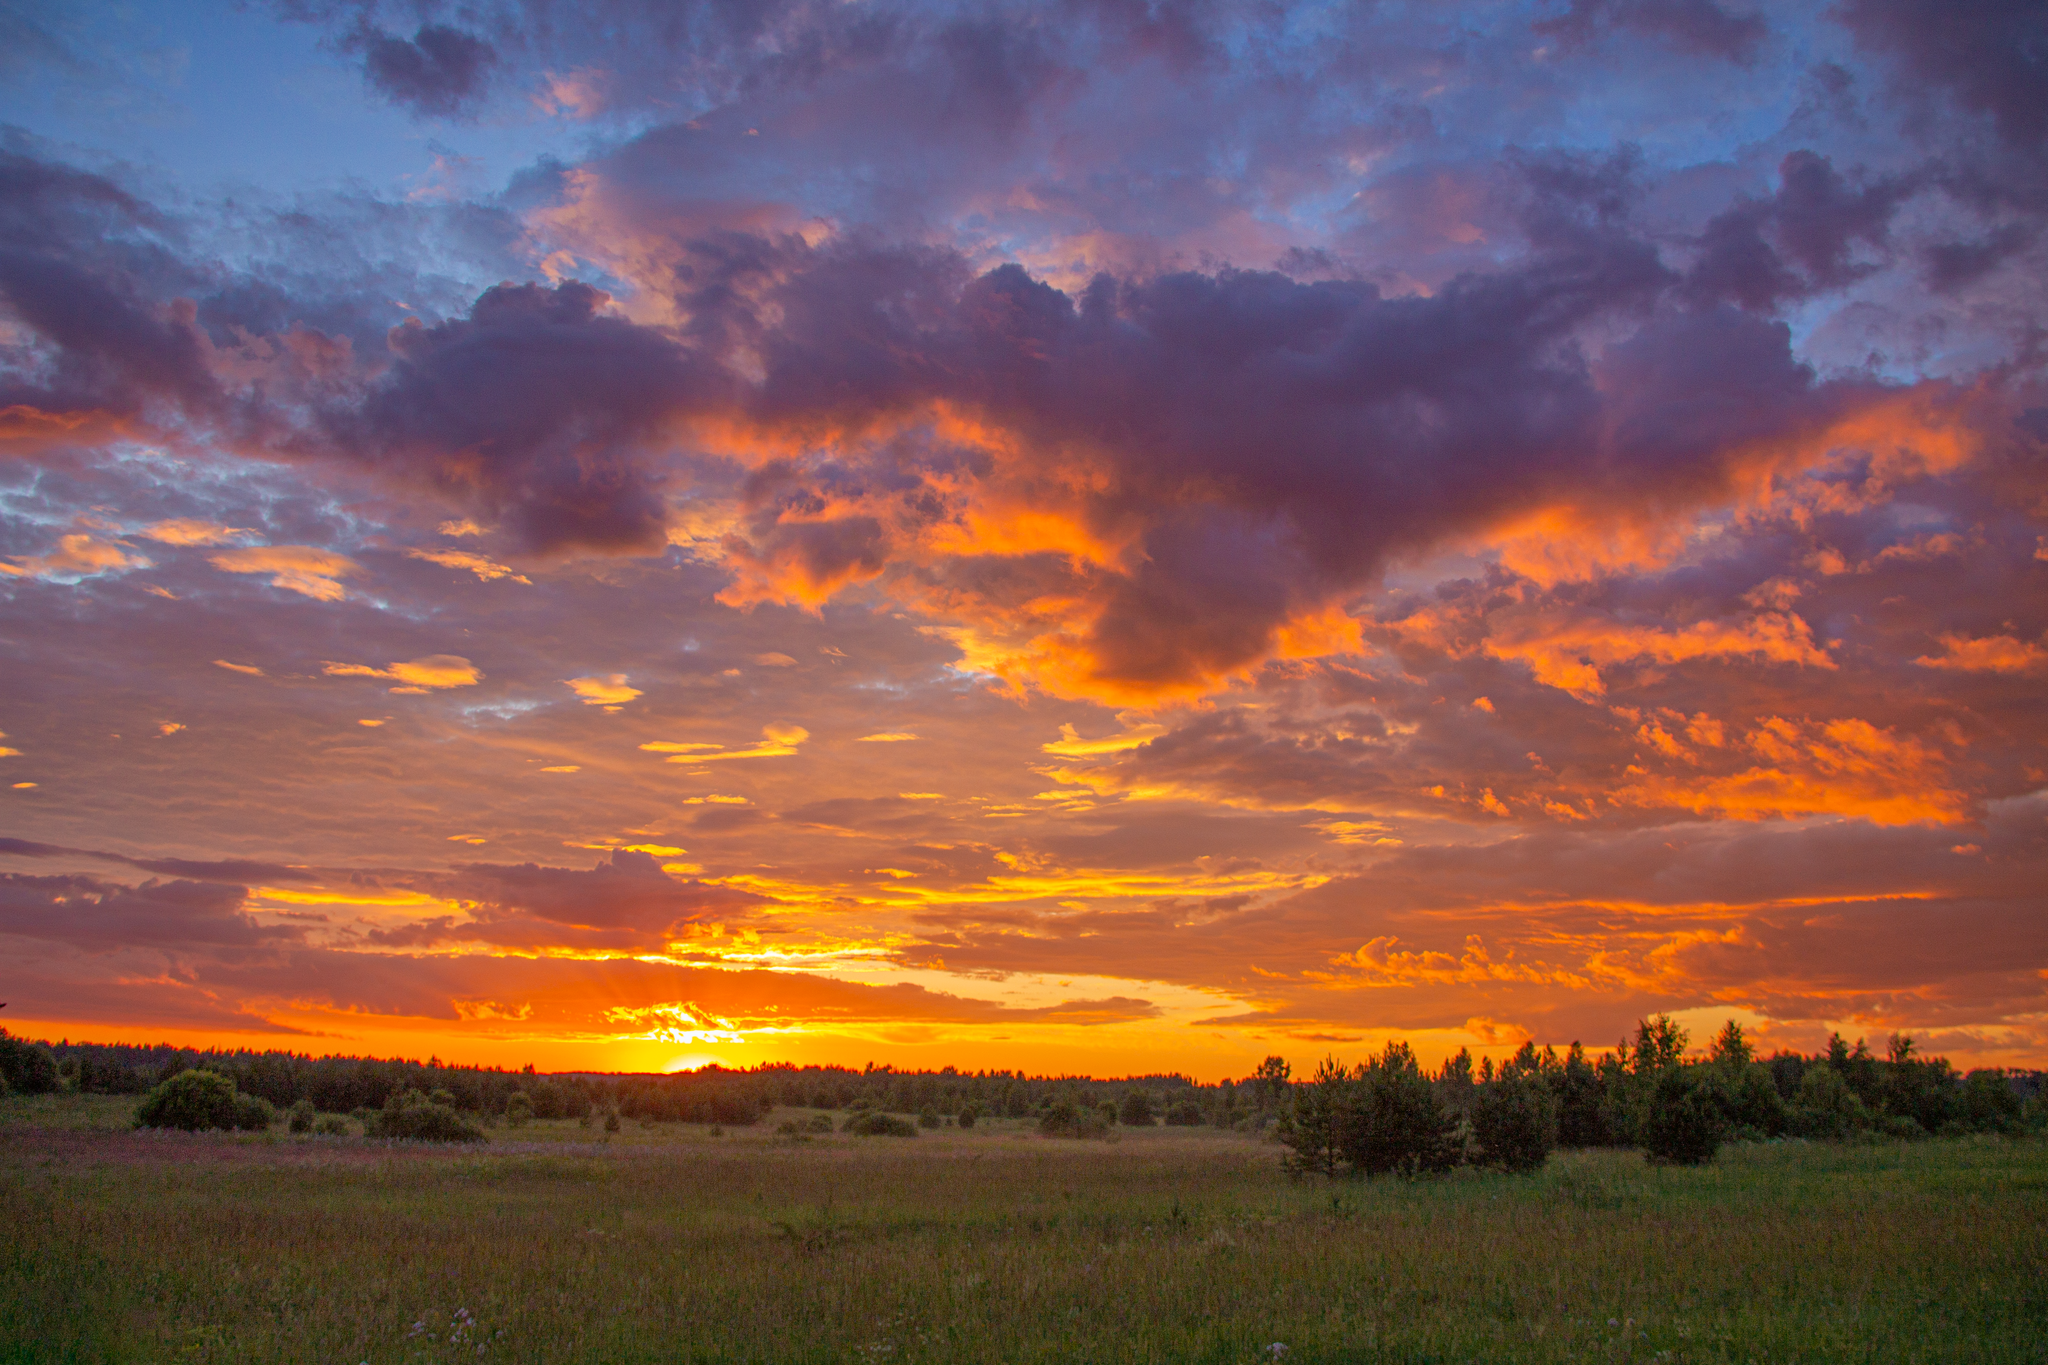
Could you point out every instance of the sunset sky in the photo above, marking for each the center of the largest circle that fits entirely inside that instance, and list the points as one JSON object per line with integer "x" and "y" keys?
{"x": 1077, "y": 536}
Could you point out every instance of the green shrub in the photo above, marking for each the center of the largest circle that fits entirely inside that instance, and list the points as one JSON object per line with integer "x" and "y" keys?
{"x": 518, "y": 1110}
{"x": 930, "y": 1119}
{"x": 611, "y": 1120}
{"x": 29, "y": 1068}
{"x": 1184, "y": 1114}
{"x": 1826, "y": 1107}
{"x": 253, "y": 1113}
{"x": 969, "y": 1115}
{"x": 1067, "y": 1120}
{"x": 191, "y": 1100}
{"x": 874, "y": 1123}
{"x": 1989, "y": 1105}
{"x": 1313, "y": 1123}
{"x": 1392, "y": 1121}
{"x": 302, "y": 1115}
{"x": 1751, "y": 1104}
{"x": 331, "y": 1125}
{"x": 411, "y": 1117}
{"x": 1136, "y": 1110}
{"x": 1515, "y": 1121}
{"x": 1683, "y": 1126}
{"x": 820, "y": 1123}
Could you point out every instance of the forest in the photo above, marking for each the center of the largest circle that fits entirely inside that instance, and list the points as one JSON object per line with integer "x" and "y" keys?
{"x": 1387, "y": 1114}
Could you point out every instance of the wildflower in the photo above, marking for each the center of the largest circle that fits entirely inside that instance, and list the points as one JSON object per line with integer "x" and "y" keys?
{"x": 1277, "y": 1349}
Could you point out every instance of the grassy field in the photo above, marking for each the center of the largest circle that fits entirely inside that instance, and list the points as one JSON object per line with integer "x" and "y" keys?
{"x": 671, "y": 1245}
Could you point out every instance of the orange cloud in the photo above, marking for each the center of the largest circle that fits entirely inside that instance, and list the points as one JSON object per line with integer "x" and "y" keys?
{"x": 483, "y": 568}
{"x": 194, "y": 531}
{"x": 1566, "y": 650}
{"x": 609, "y": 690}
{"x": 433, "y": 671}
{"x": 1842, "y": 767}
{"x": 1993, "y": 654}
{"x": 77, "y": 556}
{"x": 301, "y": 569}
{"x": 777, "y": 741}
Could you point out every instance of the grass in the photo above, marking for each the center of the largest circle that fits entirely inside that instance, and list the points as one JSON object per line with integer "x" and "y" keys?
{"x": 993, "y": 1245}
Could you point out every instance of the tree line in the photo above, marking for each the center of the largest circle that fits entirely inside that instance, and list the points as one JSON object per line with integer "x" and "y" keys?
{"x": 1387, "y": 1114}
{"x": 1390, "y": 1115}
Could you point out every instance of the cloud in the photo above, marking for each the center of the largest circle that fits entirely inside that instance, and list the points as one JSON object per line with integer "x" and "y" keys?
{"x": 774, "y": 660}
{"x": 251, "y": 669}
{"x": 433, "y": 671}
{"x": 486, "y": 570}
{"x": 301, "y": 569}
{"x": 1993, "y": 654}
{"x": 1698, "y": 26}
{"x": 887, "y": 737}
{"x": 777, "y": 741}
{"x": 538, "y": 407}
{"x": 99, "y": 916}
{"x": 1988, "y": 56}
{"x": 1071, "y": 745}
{"x": 438, "y": 71}
{"x": 608, "y": 690}
{"x": 625, "y": 893}
{"x": 194, "y": 531}
{"x": 77, "y": 556}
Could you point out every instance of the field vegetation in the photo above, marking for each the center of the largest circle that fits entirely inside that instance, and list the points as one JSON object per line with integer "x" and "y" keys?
{"x": 993, "y": 1243}
{"x": 1364, "y": 1213}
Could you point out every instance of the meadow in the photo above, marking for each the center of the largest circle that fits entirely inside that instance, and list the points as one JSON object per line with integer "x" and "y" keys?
{"x": 556, "y": 1242}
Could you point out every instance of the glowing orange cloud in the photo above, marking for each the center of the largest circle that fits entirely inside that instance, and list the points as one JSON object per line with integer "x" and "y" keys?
{"x": 1993, "y": 654}
{"x": 1843, "y": 767}
{"x": 777, "y": 741}
{"x": 301, "y": 569}
{"x": 417, "y": 675}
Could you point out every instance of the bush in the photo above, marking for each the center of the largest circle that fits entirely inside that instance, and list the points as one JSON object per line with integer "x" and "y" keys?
{"x": 302, "y": 1115}
{"x": 611, "y": 1120}
{"x": 1394, "y": 1122}
{"x": 1515, "y": 1122}
{"x": 1683, "y": 1126}
{"x": 1313, "y": 1124}
{"x": 874, "y": 1123}
{"x": 930, "y": 1119}
{"x": 1184, "y": 1114}
{"x": 518, "y": 1110}
{"x": 1069, "y": 1120}
{"x": 29, "y": 1068}
{"x": 969, "y": 1115}
{"x": 1136, "y": 1110}
{"x": 1989, "y": 1104}
{"x": 191, "y": 1100}
{"x": 411, "y": 1117}
{"x": 253, "y": 1113}
{"x": 1826, "y": 1107}
{"x": 331, "y": 1125}
{"x": 1751, "y": 1105}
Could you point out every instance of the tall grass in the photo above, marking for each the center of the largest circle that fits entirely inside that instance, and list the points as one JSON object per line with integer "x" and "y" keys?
{"x": 996, "y": 1245}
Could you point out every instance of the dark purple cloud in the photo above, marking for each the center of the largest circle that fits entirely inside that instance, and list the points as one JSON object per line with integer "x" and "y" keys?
{"x": 438, "y": 71}
{"x": 1700, "y": 27}
{"x": 626, "y": 891}
{"x": 82, "y": 263}
{"x": 537, "y": 406}
{"x": 1761, "y": 253}
{"x": 1992, "y": 55}
{"x": 98, "y": 916}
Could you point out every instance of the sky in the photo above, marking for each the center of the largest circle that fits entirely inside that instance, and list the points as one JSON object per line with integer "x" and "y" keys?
{"x": 1083, "y": 536}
